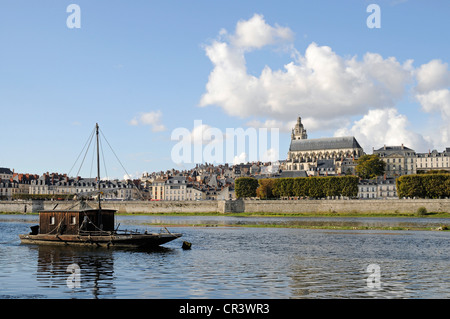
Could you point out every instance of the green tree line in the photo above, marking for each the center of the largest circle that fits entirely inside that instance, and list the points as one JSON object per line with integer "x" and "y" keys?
{"x": 310, "y": 187}
{"x": 424, "y": 186}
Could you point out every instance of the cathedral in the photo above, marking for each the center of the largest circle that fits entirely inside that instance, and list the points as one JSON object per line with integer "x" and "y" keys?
{"x": 321, "y": 156}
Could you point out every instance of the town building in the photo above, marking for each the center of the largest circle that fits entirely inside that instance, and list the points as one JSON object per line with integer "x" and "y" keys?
{"x": 56, "y": 184}
{"x": 8, "y": 188}
{"x": 5, "y": 173}
{"x": 377, "y": 188}
{"x": 320, "y": 156}
{"x": 193, "y": 193}
{"x": 400, "y": 160}
{"x": 175, "y": 188}
{"x": 433, "y": 161}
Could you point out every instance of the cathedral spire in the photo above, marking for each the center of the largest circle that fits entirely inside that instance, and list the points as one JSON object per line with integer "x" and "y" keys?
{"x": 299, "y": 132}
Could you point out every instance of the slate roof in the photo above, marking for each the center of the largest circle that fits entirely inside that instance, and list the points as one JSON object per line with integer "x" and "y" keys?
{"x": 4, "y": 170}
{"x": 326, "y": 143}
{"x": 393, "y": 149}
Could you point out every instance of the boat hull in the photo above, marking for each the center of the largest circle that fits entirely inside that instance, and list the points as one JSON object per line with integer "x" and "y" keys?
{"x": 109, "y": 241}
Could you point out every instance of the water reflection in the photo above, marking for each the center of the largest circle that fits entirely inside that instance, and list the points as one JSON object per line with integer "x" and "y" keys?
{"x": 96, "y": 270}
{"x": 233, "y": 262}
{"x": 97, "y": 277}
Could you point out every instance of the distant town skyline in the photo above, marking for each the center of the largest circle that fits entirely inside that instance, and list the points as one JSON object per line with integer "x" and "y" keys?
{"x": 144, "y": 69}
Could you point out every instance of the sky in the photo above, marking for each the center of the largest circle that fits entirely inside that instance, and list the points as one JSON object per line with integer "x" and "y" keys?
{"x": 167, "y": 81}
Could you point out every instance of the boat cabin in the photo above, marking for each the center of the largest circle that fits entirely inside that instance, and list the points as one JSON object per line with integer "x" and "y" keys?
{"x": 74, "y": 222}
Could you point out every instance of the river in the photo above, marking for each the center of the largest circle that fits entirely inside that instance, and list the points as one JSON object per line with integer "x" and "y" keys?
{"x": 233, "y": 262}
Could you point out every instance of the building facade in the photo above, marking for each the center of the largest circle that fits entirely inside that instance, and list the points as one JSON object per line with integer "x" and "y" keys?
{"x": 433, "y": 161}
{"x": 175, "y": 188}
{"x": 5, "y": 173}
{"x": 112, "y": 189}
{"x": 377, "y": 188}
{"x": 332, "y": 153}
{"x": 400, "y": 160}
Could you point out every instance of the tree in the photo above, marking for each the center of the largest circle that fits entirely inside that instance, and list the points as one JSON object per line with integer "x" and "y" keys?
{"x": 265, "y": 189}
{"x": 370, "y": 166}
{"x": 424, "y": 186}
{"x": 246, "y": 187}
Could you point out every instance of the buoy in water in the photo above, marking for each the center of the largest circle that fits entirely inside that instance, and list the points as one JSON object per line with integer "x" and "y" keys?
{"x": 186, "y": 245}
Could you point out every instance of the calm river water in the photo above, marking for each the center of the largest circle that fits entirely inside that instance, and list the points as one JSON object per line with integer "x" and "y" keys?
{"x": 234, "y": 262}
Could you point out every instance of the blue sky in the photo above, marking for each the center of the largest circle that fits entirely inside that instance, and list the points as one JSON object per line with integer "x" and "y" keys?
{"x": 142, "y": 69}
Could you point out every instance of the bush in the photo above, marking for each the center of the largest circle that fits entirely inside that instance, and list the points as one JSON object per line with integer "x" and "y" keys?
{"x": 421, "y": 211}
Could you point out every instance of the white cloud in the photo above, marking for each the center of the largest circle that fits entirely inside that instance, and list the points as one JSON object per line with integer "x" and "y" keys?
{"x": 282, "y": 126}
{"x": 256, "y": 33}
{"x": 152, "y": 119}
{"x": 240, "y": 159}
{"x": 325, "y": 89}
{"x": 432, "y": 76}
{"x": 205, "y": 134}
{"x": 319, "y": 84}
{"x": 433, "y": 93}
{"x": 436, "y": 100}
{"x": 384, "y": 127}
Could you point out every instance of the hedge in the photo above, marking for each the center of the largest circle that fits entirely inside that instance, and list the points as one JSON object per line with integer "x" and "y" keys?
{"x": 245, "y": 187}
{"x": 424, "y": 186}
{"x": 311, "y": 187}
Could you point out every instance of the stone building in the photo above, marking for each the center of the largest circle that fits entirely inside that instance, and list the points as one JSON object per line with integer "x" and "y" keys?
{"x": 400, "y": 160}
{"x": 5, "y": 173}
{"x": 175, "y": 188}
{"x": 8, "y": 188}
{"x": 305, "y": 154}
{"x": 377, "y": 188}
{"x": 433, "y": 161}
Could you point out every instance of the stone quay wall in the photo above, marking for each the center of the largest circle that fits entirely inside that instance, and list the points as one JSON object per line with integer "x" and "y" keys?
{"x": 248, "y": 206}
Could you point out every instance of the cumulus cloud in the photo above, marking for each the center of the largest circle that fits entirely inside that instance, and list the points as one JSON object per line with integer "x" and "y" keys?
{"x": 323, "y": 87}
{"x": 431, "y": 76}
{"x": 152, "y": 119}
{"x": 240, "y": 159}
{"x": 433, "y": 94}
{"x": 256, "y": 33}
{"x": 384, "y": 127}
{"x": 319, "y": 84}
{"x": 436, "y": 100}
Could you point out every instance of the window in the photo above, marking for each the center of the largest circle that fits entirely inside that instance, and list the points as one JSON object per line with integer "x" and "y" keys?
{"x": 52, "y": 220}
{"x": 73, "y": 220}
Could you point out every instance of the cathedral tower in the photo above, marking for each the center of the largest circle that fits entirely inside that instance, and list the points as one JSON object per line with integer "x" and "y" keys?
{"x": 299, "y": 132}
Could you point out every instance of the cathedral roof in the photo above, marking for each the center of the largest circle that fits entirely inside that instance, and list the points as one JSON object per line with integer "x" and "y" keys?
{"x": 327, "y": 143}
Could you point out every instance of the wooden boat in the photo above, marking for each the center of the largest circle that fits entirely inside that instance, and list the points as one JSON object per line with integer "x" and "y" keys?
{"x": 88, "y": 226}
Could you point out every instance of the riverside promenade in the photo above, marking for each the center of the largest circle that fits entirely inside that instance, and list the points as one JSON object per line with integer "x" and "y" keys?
{"x": 245, "y": 206}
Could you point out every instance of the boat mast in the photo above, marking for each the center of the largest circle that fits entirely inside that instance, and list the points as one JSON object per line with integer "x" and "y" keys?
{"x": 98, "y": 167}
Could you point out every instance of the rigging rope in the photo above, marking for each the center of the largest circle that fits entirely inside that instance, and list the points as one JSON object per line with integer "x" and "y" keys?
{"x": 139, "y": 191}
{"x": 89, "y": 140}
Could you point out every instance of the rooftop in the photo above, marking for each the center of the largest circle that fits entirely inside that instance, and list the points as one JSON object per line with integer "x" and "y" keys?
{"x": 327, "y": 143}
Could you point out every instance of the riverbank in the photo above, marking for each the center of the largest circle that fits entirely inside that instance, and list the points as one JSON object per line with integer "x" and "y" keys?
{"x": 279, "y": 207}
{"x": 323, "y": 227}
{"x": 431, "y": 221}
{"x": 315, "y": 214}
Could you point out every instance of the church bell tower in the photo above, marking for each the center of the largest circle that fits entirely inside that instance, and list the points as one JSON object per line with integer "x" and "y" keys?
{"x": 299, "y": 132}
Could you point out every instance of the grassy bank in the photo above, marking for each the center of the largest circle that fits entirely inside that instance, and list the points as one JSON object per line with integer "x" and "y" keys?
{"x": 308, "y": 214}
{"x": 324, "y": 227}
{"x": 352, "y": 213}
